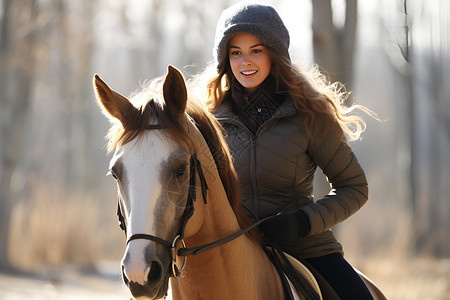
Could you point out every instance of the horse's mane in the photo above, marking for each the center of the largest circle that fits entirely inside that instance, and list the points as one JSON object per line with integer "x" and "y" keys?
{"x": 150, "y": 104}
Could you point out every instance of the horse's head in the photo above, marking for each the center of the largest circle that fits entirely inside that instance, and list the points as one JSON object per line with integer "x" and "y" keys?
{"x": 155, "y": 147}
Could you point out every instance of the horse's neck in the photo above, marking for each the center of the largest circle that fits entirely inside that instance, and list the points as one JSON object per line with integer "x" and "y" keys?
{"x": 236, "y": 270}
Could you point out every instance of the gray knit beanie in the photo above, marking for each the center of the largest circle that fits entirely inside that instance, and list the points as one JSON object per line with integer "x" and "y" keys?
{"x": 260, "y": 20}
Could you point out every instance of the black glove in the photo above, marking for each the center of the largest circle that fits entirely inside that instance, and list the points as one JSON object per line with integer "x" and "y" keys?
{"x": 286, "y": 226}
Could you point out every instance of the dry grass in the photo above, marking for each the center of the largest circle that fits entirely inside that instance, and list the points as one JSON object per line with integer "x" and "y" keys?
{"x": 409, "y": 278}
{"x": 53, "y": 229}
{"x": 378, "y": 240}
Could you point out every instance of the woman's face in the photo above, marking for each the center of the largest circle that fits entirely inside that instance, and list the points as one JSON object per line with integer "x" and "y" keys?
{"x": 249, "y": 60}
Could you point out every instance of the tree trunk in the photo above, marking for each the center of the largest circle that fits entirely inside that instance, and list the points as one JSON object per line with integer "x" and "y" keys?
{"x": 333, "y": 52}
{"x": 16, "y": 63}
{"x": 334, "y": 46}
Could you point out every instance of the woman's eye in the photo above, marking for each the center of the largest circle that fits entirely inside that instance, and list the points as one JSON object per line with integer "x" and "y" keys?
{"x": 235, "y": 52}
{"x": 256, "y": 51}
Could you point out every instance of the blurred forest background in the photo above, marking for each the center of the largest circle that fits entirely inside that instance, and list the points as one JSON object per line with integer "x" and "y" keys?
{"x": 57, "y": 207}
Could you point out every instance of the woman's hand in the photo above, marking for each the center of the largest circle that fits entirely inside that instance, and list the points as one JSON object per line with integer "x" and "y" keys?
{"x": 286, "y": 226}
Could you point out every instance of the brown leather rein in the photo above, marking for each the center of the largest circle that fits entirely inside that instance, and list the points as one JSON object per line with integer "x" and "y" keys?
{"x": 195, "y": 167}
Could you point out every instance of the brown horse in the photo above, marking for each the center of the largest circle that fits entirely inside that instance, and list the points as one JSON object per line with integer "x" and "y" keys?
{"x": 170, "y": 151}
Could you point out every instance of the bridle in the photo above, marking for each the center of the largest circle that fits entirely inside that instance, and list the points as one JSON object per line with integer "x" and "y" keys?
{"x": 195, "y": 167}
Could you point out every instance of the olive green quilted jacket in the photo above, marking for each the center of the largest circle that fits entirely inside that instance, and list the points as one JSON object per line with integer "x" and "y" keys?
{"x": 276, "y": 169}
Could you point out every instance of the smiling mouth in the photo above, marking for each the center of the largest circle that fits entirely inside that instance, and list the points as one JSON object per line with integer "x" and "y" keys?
{"x": 248, "y": 73}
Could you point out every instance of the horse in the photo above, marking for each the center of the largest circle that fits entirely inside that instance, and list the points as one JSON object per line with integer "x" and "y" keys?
{"x": 169, "y": 151}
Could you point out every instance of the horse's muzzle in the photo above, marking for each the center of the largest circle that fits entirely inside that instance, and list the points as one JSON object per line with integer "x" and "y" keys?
{"x": 155, "y": 285}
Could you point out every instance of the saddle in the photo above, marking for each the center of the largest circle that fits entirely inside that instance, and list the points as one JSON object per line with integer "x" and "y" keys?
{"x": 306, "y": 281}
{"x": 298, "y": 281}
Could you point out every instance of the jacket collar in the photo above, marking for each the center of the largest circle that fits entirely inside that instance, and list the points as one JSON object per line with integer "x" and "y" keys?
{"x": 224, "y": 113}
{"x": 267, "y": 90}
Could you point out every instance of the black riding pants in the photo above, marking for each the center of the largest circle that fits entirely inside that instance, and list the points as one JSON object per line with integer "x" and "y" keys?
{"x": 341, "y": 276}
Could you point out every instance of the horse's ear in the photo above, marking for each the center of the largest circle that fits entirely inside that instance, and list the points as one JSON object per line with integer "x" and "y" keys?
{"x": 112, "y": 103}
{"x": 174, "y": 91}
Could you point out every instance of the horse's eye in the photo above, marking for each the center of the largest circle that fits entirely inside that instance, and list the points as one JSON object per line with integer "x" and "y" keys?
{"x": 181, "y": 170}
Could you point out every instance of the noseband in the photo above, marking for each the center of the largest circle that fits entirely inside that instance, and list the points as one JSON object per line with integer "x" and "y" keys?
{"x": 195, "y": 167}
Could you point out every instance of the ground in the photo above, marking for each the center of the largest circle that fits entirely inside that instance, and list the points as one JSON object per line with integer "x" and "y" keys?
{"x": 86, "y": 288}
{"x": 65, "y": 284}
{"x": 408, "y": 279}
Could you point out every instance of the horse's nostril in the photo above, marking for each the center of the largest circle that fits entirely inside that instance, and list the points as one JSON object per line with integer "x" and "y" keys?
{"x": 155, "y": 272}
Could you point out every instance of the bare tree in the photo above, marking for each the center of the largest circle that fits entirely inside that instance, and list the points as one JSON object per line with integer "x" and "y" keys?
{"x": 333, "y": 45}
{"x": 333, "y": 52}
{"x": 430, "y": 125}
{"x": 417, "y": 39}
{"x": 46, "y": 45}
{"x": 16, "y": 64}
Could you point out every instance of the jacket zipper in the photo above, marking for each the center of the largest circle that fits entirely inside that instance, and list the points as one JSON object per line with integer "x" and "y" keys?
{"x": 255, "y": 202}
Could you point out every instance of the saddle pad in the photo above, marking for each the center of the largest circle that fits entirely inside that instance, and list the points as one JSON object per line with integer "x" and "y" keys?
{"x": 305, "y": 273}
{"x": 293, "y": 290}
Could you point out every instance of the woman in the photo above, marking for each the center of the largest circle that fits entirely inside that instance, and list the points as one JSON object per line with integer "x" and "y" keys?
{"x": 281, "y": 125}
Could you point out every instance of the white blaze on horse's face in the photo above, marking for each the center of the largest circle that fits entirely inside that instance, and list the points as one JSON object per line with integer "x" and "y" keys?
{"x": 152, "y": 181}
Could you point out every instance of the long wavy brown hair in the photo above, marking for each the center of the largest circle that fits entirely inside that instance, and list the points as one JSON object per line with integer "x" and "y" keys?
{"x": 310, "y": 91}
